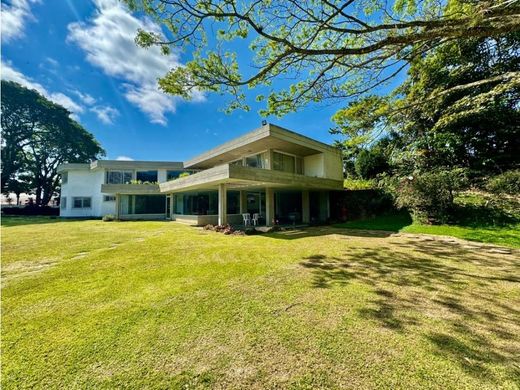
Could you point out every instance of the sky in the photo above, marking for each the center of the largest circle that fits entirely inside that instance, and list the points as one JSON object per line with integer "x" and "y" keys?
{"x": 82, "y": 54}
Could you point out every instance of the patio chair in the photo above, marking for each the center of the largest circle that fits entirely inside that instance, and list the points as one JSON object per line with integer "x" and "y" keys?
{"x": 256, "y": 219}
{"x": 247, "y": 219}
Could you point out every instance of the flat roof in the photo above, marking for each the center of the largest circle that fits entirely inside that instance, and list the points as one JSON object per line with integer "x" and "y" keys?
{"x": 266, "y": 137}
{"x": 121, "y": 164}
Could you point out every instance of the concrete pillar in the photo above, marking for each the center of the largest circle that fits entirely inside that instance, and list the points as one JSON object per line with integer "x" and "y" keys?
{"x": 118, "y": 205}
{"x": 222, "y": 204}
{"x": 269, "y": 207}
{"x": 243, "y": 202}
{"x": 172, "y": 198}
{"x": 306, "y": 211}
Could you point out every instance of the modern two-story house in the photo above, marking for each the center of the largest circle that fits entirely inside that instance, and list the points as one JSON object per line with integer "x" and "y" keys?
{"x": 281, "y": 175}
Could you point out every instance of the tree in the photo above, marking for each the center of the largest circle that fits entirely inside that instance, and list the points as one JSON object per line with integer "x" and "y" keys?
{"x": 322, "y": 49}
{"x": 37, "y": 136}
{"x": 438, "y": 124}
{"x": 18, "y": 186}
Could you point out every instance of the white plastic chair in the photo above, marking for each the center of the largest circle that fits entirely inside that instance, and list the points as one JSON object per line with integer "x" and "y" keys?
{"x": 247, "y": 219}
{"x": 256, "y": 218}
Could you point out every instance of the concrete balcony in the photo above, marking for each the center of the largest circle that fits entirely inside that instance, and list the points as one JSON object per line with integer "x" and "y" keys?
{"x": 130, "y": 189}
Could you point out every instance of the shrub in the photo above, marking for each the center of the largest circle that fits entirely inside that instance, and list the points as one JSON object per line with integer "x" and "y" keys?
{"x": 359, "y": 184}
{"x": 369, "y": 163}
{"x": 184, "y": 174}
{"x": 505, "y": 183}
{"x": 109, "y": 218}
{"x": 429, "y": 195}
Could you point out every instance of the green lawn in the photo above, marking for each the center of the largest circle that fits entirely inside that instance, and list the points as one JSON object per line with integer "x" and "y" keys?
{"x": 90, "y": 304}
{"x": 508, "y": 235}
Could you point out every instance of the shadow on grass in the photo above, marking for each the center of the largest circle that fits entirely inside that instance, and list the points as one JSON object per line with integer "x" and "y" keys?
{"x": 449, "y": 295}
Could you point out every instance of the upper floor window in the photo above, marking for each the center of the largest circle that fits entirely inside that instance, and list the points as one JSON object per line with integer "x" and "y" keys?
{"x": 237, "y": 162}
{"x": 256, "y": 161}
{"x": 119, "y": 177}
{"x": 287, "y": 163}
{"x": 64, "y": 177}
{"x": 149, "y": 176}
{"x": 81, "y": 202}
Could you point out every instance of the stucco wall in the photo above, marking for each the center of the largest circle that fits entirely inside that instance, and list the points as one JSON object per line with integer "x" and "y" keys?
{"x": 85, "y": 183}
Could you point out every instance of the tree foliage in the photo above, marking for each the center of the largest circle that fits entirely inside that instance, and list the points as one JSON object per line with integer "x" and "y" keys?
{"x": 37, "y": 136}
{"x": 322, "y": 49}
{"x": 459, "y": 106}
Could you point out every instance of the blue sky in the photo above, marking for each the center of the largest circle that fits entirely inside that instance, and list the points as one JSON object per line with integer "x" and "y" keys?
{"x": 81, "y": 54}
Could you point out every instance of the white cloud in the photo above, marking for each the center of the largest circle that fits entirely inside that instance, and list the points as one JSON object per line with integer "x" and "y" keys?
{"x": 14, "y": 16}
{"x": 85, "y": 97}
{"x": 108, "y": 40}
{"x": 11, "y": 74}
{"x": 124, "y": 158}
{"x": 105, "y": 114}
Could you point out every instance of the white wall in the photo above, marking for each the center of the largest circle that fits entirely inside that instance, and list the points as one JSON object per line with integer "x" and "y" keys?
{"x": 85, "y": 183}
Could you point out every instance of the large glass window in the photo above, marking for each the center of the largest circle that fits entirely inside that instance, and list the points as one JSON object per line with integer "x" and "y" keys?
{"x": 257, "y": 160}
{"x": 147, "y": 176}
{"x": 119, "y": 177}
{"x": 233, "y": 202}
{"x": 287, "y": 163}
{"x": 143, "y": 204}
{"x": 81, "y": 202}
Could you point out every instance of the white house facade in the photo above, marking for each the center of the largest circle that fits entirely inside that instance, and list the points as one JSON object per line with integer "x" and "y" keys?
{"x": 271, "y": 172}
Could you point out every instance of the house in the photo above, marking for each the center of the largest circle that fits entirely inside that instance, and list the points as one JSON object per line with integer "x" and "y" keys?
{"x": 281, "y": 175}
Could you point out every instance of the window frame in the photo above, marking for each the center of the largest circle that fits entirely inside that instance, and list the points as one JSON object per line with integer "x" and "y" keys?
{"x": 109, "y": 196}
{"x": 82, "y": 198}
{"x": 122, "y": 172}
{"x": 296, "y": 159}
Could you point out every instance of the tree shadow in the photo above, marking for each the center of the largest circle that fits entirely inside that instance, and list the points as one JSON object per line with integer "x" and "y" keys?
{"x": 452, "y": 296}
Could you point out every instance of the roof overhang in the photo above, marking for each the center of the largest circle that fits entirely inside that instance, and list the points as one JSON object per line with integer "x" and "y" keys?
{"x": 266, "y": 137}
{"x": 239, "y": 177}
{"x": 132, "y": 164}
{"x": 72, "y": 167}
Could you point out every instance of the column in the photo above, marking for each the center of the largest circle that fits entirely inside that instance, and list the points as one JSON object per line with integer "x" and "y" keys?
{"x": 172, "y": 198}
{"x": 306, "y": 213}
{"x": 118, "y": 205}
{"x": 243, "y": 202}
{"x": 269, "y": 207}
{"x": 222, "y": 204}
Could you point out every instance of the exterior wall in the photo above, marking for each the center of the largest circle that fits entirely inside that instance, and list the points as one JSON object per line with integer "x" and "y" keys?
{"x": 328, "y": 165}
{"x": 85, "y": 183}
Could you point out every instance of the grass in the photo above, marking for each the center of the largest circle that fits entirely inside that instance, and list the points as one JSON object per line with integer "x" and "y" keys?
{"x": 88, "y": 304}
{"x": 508, "y": 235}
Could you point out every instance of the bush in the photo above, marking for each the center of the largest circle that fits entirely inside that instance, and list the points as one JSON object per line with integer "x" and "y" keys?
{"x": 184, "y": 174}
{"x": 369, "y": 163}
{"x": 31, "y": 210}
{"x": 359, "y": 184}
{"x": 505, "y": 183}
{"x": 430, "y": 195}
{"x": 108, "y": 218}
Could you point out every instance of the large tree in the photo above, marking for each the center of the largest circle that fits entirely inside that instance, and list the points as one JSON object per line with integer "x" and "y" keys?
{"x": 37, "y": 136}
{"x": 323, "y": 49}
{"x": 437, "y": 123}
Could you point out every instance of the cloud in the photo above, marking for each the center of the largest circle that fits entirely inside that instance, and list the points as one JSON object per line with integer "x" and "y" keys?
{"x": 108, "y": 41}
{"x": 105, "y": 114}
{"x": 11, "y": 74}
{"x": 124, "y": 158}
{"x": 15, "y": 14}
{"x": 85, "y": 97}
